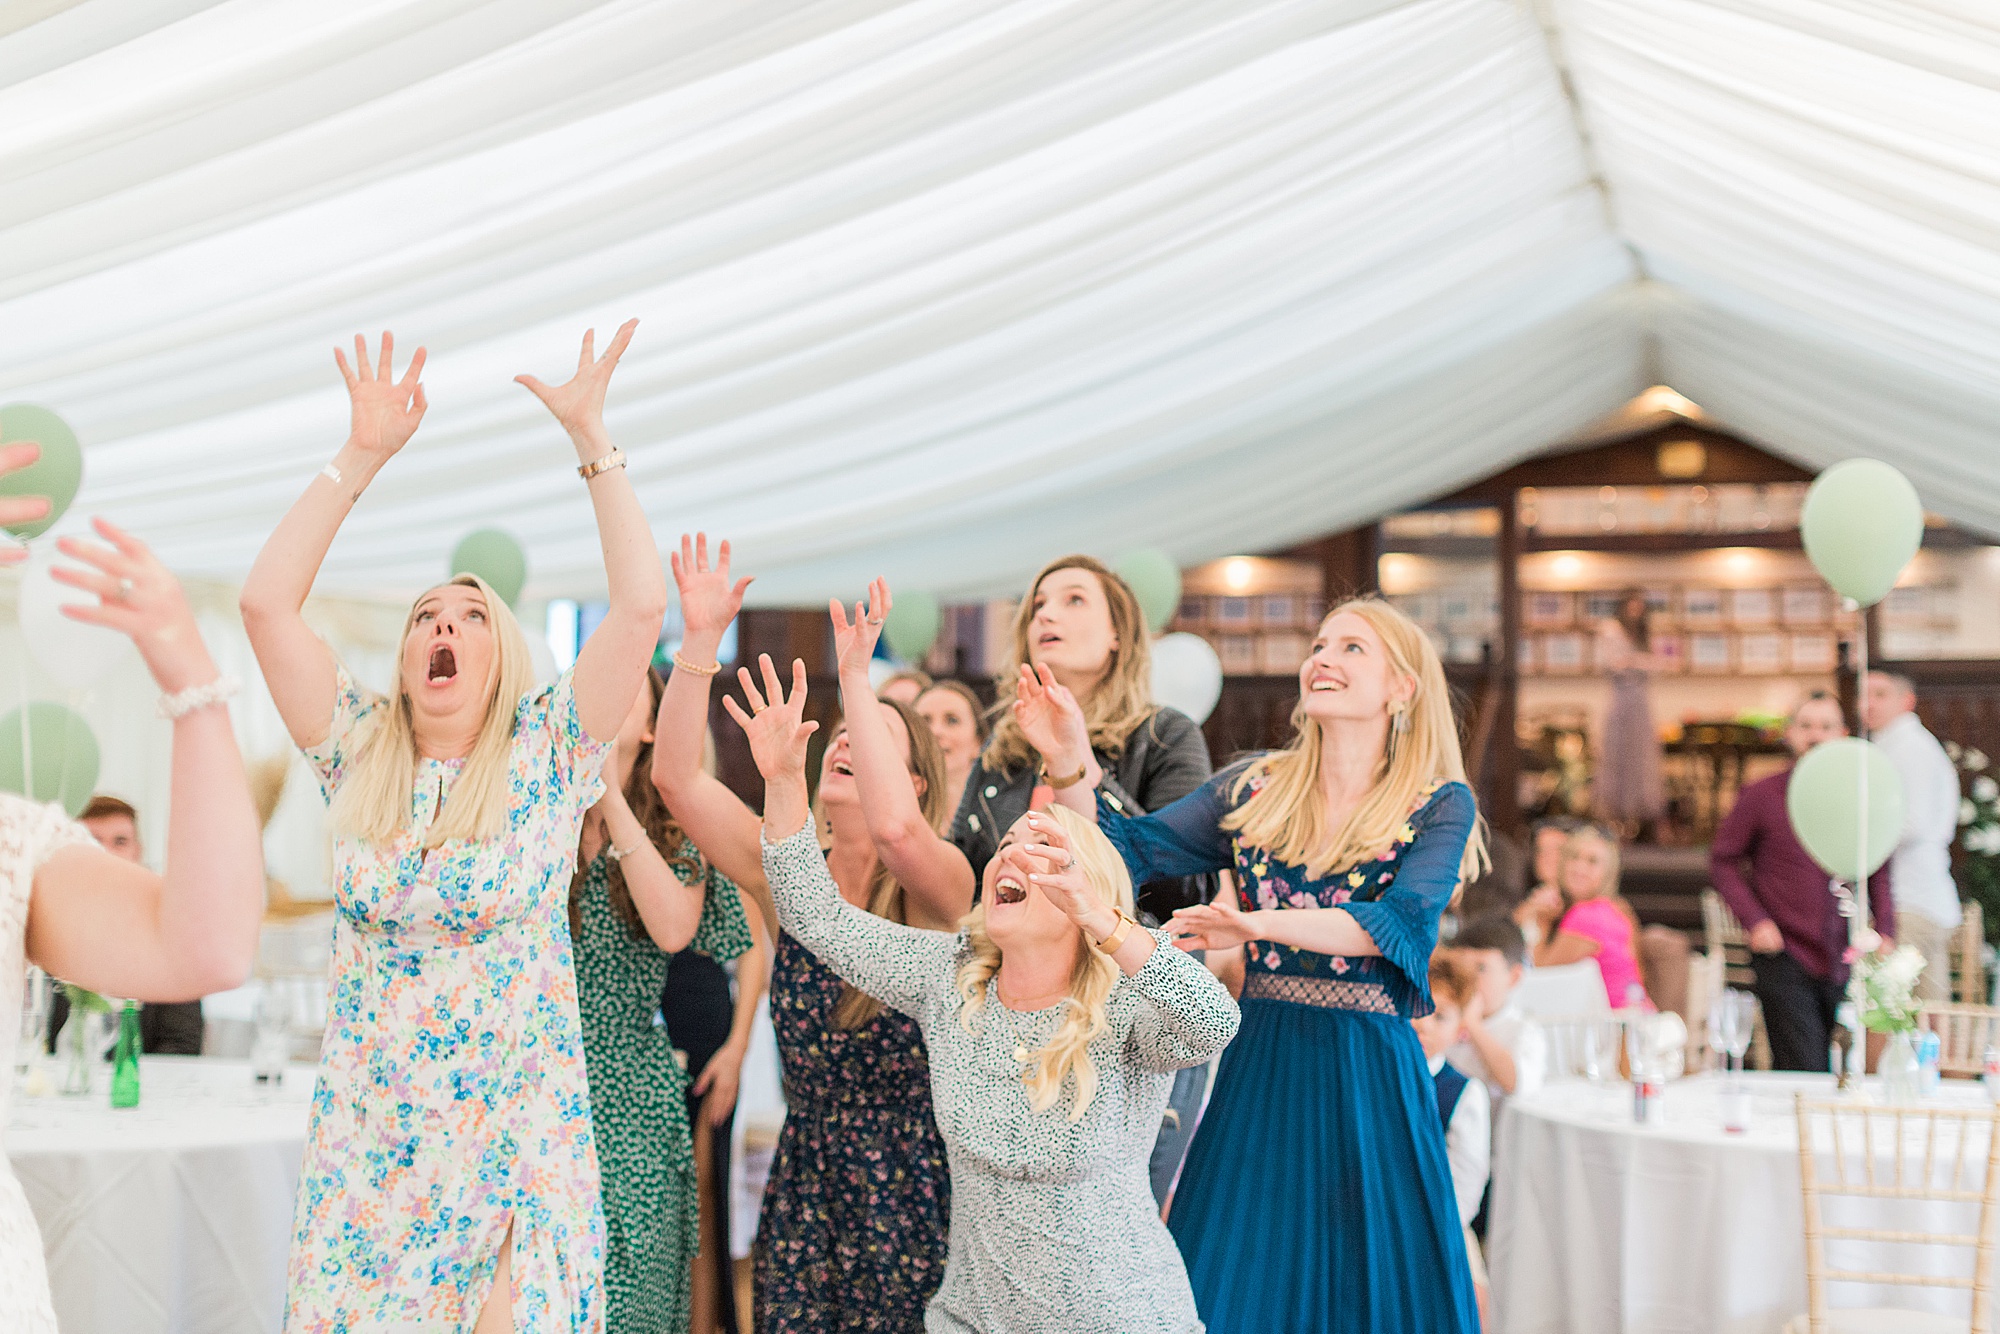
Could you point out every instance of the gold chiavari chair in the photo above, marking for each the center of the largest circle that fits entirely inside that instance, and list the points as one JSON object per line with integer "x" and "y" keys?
{"x": 1942, "y": 1156}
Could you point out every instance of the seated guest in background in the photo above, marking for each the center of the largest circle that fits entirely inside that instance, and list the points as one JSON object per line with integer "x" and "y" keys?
{"x": 1462, "y": 1103}
{"x": 958, "y": 720}
{"x": 1599, "y": 924}
{"x": 905, "y": 686}
{"x": 1927, "y": 910}
{"x": 1798, "y": 938}
{"x": 1501, "y": 1047}
{"x": 172, "y": 1029}
{"x": 1542, "y": 906}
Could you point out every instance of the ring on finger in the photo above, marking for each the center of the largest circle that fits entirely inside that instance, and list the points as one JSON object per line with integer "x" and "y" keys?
{"x": 125, "y": 587}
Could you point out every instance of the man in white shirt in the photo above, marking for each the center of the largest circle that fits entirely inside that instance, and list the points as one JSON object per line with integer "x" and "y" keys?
{"x": 1927, "y": 910}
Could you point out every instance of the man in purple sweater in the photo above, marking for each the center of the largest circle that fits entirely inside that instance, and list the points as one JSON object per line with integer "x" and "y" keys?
{"x": 1798, "y": 939}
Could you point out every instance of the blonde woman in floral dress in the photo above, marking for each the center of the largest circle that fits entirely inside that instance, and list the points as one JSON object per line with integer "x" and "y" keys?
{"x": 450, "y": 1178}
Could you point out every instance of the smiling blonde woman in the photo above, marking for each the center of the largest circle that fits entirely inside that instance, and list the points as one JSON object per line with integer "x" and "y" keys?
{"x": 1054, "y": 1025}
{"x": 450, "y": 1178}
{"x": 1316, "y": 1196}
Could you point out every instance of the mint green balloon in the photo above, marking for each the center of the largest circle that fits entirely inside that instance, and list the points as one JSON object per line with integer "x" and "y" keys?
{"x": 494, "y": 557}
{"x": 1155, "y": 580}
{"x": 56, "y": 474}
{"x": 48, "y": 753}
{"x": 1861, "y": 523}
{"x": 1824, "y": 802}
{"x": 911, "y": 626}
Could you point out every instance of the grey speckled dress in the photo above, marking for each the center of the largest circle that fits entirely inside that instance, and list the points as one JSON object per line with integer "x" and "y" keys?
{"x": 1053, "y": 1224}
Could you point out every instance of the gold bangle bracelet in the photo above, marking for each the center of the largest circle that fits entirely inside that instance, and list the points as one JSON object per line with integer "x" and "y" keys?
{"x": 1111, "y": 943}
{"x": 615, "y": 459}
{"x": 696, "y": 667}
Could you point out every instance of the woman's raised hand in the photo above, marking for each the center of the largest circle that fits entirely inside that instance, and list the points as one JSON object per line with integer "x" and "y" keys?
{"x": 578, "y": 403}
{"x": 777, "y": 730}
{"x": 854, "y": 644}
{"x": 1211, "y": 926}
{"x": 383, "y": 411}
{"x": 1062, "y": 879}
{"x": 1051, "y": 719}
{"x": 140, "y": 598}
{"x": 709, "y": 602}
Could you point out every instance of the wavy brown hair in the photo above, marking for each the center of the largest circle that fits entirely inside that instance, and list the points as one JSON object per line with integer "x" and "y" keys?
{"x": 661, "y": 830}
{"x": 1122, "y": 701}
{"x": 857, "y": 1009}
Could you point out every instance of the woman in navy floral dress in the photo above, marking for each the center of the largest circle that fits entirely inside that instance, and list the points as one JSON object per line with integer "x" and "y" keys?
{"x": 856, "y": 1210}
{"x": 1316, "y": 1196}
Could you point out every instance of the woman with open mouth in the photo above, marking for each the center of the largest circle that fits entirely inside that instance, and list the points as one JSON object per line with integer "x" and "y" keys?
{"x": 1316, "y": 1195}
{"x": 1082, "y": 624}
{"x": 451, "y": 1178}
{"x": 1054, "y": 1025}
{"x": 852, "y": 1233}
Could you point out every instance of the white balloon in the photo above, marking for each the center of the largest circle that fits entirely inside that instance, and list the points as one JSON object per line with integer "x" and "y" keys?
{"x": 74, "y": 654}
{"x": 1186, "y": 674}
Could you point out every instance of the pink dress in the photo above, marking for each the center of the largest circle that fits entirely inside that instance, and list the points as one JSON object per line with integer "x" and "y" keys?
{"x": 1600, "y": 920}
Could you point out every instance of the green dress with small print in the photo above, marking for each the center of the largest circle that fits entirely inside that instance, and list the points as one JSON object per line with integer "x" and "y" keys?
{"x": 638, "y": 1098}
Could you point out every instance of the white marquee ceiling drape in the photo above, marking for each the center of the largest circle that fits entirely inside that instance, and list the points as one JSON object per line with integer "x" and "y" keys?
{"x": 938, "y": 289}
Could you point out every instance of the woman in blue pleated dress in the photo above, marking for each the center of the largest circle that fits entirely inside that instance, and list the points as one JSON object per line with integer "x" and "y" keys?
{"x": 1316, "y": 1196}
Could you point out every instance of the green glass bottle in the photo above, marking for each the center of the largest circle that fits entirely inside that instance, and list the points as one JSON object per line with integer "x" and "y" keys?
{"x": 125, "y": 1059}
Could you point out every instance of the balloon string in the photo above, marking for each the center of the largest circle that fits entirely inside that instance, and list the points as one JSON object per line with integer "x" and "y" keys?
{"x": 27, "y": 733}
{"x": 1862, "y": 868}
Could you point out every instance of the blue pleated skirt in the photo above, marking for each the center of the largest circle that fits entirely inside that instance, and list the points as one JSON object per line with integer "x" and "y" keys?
{"x": 1316, "y": 1196}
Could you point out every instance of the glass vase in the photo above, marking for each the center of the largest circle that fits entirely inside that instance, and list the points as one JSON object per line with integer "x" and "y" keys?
{"x": 77, "y": 1052}
{"x": 1898, "y": 1069}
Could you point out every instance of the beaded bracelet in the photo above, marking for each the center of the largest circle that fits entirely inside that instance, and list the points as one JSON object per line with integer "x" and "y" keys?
{"x": 199, "y": 697}
{"x": 694, "y": 667}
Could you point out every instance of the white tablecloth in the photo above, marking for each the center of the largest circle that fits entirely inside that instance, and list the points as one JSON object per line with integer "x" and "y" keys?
{"x": 1599, "y": 1225}
{"x": 174, "y": 1215}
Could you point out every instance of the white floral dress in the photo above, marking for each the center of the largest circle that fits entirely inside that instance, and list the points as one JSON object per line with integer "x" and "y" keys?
{"x": 451, "y": 1100}
{"x": 30, "y": 833}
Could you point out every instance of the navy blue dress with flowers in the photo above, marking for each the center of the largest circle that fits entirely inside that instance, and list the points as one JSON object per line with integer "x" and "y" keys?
{"x": 1316, "y": 1196}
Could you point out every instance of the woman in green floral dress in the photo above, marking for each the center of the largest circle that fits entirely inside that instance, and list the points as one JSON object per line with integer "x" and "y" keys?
{"x": 642, "y": 893}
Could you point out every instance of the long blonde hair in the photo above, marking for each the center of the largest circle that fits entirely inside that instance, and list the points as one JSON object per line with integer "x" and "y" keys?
{"x": 373, "y": 804}
{"x": 1066, "y": 1055}
{"x": 857, "y": 1009}
{"x": 1122, "y": 700}
{"x": 1286, "y": 817}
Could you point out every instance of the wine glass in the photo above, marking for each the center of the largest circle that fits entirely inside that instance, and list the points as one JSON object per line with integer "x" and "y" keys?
{"x": 1730, "y": 1021}
{"x": 36, "y": 1001}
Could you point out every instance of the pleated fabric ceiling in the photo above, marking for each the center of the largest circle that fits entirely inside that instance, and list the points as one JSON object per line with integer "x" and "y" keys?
{"x": 940, "y": 289}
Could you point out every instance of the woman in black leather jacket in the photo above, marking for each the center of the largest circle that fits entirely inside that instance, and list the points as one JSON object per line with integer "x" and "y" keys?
{"x": 1082, "y": 622}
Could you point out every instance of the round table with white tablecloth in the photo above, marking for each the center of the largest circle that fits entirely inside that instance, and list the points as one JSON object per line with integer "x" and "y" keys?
{"x": 1601, "y": 1225}
{"x": 175, "y": 1215}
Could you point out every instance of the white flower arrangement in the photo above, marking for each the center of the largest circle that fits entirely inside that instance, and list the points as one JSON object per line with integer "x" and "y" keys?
{"x": 1978, "y": 870}
{"x": 1886, "y": 986}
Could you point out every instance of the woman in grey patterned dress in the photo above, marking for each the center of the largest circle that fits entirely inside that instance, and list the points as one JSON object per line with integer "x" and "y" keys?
{"x": 1054, "y": 1025}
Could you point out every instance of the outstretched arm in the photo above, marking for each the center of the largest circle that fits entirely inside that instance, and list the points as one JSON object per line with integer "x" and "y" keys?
{"x": 298, "y": 667}
{"x": 610, "y": 667}
{"x": 934, "y": 874}
{"x": 901, "y": 966}
{"x": 722, "y": 827}
{"x": 116, "y": 927}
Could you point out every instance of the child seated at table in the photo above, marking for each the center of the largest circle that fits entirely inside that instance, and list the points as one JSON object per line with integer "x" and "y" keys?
{"x": 1599, "y": 924}
{"x": 1463, "y": 1107}
{"x": 1501, "y": 1047}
